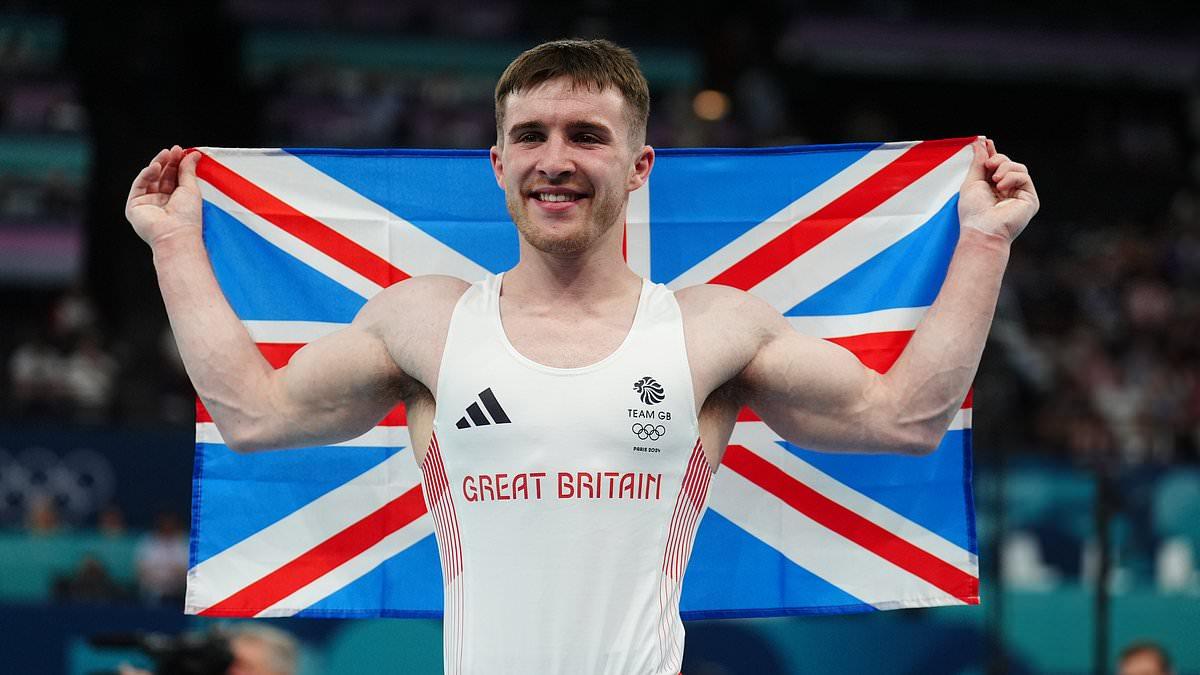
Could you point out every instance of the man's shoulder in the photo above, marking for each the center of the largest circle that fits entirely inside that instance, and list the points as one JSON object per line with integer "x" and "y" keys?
{"x": 417, "y": 303}
{"x": 712, "y": 303}
{"x": 412, "y": 318}
{"x": 725, "y": 328}
{"x": 425, "y": 292}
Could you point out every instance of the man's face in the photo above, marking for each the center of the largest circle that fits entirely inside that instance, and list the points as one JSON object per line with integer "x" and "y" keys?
{"x": 250, "y": 657}
{"x": 1141, "y": 663}
{"x": 566, "y": 164}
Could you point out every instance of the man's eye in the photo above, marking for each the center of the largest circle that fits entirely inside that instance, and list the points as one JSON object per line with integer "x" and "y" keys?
{"x": 529, "y": 137}
{"x": 587, "y": 138}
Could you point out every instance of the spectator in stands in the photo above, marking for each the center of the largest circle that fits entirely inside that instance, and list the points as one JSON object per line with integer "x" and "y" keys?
{"x": 35, "y": 371}
{"x": 259, "y": 649}
{"x": 74, "y": 314}
{"x": 162, "y": 561}
{"x": 91, "y": 582}
{"x": 89, "y": 375}
{"x": 1144, "y": 658}
{"x": 110, "y": 521}
{"x": 42, "y": 517}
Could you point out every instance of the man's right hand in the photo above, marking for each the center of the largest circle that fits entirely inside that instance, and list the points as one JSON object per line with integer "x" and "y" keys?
{"x": 164, "y": 199}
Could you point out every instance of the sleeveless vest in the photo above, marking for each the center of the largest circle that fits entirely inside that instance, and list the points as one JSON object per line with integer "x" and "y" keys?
{"x": 565, "y": 500}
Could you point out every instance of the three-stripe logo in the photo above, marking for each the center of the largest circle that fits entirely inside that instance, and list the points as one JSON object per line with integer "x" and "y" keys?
{"x": 475, "y": 413}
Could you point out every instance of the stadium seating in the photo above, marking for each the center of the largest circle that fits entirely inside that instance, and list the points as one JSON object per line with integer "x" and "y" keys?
{"x": 32, "y": 562}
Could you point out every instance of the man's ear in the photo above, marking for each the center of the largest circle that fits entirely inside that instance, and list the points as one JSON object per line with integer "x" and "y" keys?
{"x": 497, "y": 165}
{"x": 641, "y": 168}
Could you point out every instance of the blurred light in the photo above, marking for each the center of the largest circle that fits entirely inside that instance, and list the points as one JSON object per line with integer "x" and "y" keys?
{"x": 710, "y": 105}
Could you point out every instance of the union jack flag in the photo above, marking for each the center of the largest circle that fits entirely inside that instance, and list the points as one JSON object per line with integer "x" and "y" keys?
{"x": 850, "y": 242}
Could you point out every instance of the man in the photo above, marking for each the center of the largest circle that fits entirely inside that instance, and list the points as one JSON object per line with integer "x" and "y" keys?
{"x": 161, "y": 558}
{"x": 261, "y": 650}
{"x": 563, "y": 522}
{"x": 254, "y": 649}
{"x": 1144, "y": 658}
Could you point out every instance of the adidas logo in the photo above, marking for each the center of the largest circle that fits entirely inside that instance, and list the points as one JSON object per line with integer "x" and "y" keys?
{"x": 475, "y": 413}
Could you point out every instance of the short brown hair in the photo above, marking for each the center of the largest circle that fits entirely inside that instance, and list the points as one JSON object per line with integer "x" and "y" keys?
{"x": 590, "y": 63}
{"x": 1147, "y": 647}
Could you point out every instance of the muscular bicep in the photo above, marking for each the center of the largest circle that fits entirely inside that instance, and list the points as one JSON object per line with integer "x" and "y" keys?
{"x": 814, "y": 393}
{"x": 337, "y": 387}
{"x": 811, "y": 392}
{"x": 340, "y": 386}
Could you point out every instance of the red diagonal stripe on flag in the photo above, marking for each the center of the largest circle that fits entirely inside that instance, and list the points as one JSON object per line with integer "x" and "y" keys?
{"x": 305, "y": 228}
{"x": 881, "y": 186}
{"x": 852, "y": 526}
{"x": 323, "y": 558}
{"x": 877, "y": 351}
{"x": 278, "y": 354}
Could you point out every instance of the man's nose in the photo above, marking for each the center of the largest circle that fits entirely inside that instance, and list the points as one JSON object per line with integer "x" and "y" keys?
{"x": 555, "y": 161}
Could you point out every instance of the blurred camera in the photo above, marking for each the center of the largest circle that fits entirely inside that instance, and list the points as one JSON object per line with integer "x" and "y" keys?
{"x": 206, "y": 653}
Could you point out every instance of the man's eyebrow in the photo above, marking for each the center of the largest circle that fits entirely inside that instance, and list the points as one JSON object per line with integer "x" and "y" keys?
{"x": 579, "y": 125}
{"x": 525, "y": 126}
{"x": 596, "y": 127}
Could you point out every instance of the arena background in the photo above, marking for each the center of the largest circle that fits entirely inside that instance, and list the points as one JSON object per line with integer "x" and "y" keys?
{"x": 1088, "y": 424}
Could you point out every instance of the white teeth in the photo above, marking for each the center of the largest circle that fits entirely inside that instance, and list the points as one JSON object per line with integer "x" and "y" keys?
{"x": 555, "y": 197}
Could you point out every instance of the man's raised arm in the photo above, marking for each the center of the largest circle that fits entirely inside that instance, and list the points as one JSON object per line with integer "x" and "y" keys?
{"x": 333, "y": 389}
{"x": 819, "y": 396}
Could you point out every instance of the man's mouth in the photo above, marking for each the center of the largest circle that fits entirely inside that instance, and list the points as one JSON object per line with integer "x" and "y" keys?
{"x": 556, "y": 195}
{"x": 553, "y": 197}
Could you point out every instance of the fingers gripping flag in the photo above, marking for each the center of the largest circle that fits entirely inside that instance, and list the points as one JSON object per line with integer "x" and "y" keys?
{"x": 849, "y": 242}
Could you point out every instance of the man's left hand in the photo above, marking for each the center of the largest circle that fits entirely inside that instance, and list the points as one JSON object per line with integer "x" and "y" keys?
{"x": 997, "y": 197}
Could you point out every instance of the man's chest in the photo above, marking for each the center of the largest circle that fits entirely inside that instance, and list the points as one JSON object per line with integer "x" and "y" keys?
{"x": 565, "y": 340}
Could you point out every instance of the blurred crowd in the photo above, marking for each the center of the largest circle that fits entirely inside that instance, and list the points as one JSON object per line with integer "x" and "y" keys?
{"x": 157, "y": 558}
{"x": 64, "y": 365}
{"x": 1094, "y": 355}
{"x": 1095, "y": 351}
{"x": 160, "y": 561}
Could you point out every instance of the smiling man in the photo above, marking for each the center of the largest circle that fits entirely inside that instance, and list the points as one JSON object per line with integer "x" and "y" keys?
{"x": 565, "y": 146}
{"x": 567, "y": 414}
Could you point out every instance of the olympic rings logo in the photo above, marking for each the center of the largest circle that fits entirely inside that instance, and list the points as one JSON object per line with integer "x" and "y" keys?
{"x": 649, "y": 432}
{"x": 77, "y": 483}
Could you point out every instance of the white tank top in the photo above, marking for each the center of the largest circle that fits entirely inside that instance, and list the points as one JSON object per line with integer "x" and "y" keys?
{"x": 565, "y": 500}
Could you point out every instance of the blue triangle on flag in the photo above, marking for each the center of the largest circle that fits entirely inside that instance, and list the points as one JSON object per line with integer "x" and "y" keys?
{"x": 727, "y": 562}
{"x": 265, "y": 283}
{"x": 908, "y": 273}
{"x": 730, "y": 193}
{"x": 889, "y": 480}
{"x": 448, "y": 194}
{"x": 410, "y": 579}
{"x": 246, "y": 493}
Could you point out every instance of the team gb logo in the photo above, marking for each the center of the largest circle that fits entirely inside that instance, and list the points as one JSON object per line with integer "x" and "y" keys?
{"x": 650, "y": 391}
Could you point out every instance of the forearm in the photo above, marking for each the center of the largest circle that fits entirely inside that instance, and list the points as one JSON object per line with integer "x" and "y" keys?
{"x": 228, "y": 372}
{"x": 929, "y": 381}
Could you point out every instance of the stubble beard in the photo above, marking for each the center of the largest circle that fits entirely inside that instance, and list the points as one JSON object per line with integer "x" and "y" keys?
{"x": 605, "y": 213}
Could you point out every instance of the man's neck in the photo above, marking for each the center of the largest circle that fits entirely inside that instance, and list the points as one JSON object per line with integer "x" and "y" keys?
{"x": 587, "y": 278}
